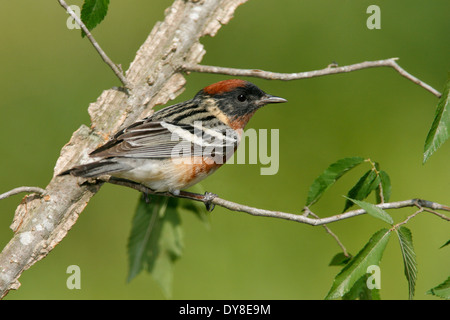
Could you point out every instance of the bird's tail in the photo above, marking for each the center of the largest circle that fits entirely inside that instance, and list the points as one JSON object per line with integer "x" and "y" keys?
{"x": 95, "y": 169}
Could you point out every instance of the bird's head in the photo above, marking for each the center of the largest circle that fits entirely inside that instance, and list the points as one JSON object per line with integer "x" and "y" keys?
{"x": 237, "y": 99}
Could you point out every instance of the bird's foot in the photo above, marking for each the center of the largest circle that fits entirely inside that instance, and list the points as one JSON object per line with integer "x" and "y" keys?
{"x": 208, "y": 197}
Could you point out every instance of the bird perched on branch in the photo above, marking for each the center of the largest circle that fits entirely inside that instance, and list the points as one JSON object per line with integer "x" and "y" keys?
{"x": 182, "y": 144}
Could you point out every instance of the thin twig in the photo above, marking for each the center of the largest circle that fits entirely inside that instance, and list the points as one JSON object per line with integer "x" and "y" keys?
{"x": 331, "y": 69}
{"x": 278, "y": 214}
{"x": 328, "y": 230}
{"x": 20, "y": 190}
{"x": 408, "y": 218}
{"x": 440, "y": 215}
{"x": 409, "y": 76}
{"x": 116, "y": 69}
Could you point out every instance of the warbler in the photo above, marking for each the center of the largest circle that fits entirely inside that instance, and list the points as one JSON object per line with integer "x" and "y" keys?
{"x": 180, "y": 145}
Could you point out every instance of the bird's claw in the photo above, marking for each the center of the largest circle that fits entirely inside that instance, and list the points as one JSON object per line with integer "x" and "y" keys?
{"x": 208, "y": 197}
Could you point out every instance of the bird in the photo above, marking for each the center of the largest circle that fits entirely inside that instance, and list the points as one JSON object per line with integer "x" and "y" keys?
{"x": 182, "y": 144}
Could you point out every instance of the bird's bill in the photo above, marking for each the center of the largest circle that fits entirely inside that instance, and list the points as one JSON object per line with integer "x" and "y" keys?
{"x": 271, "y": 99}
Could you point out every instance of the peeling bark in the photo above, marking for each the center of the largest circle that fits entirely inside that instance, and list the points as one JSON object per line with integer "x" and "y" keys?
{"x": 40, "y": 223}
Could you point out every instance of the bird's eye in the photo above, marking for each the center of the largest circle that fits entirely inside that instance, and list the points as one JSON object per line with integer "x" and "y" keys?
{"x": 241, "y": 98}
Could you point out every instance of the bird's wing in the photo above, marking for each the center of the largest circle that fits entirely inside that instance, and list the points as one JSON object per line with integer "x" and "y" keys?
{"x": 161, "y": 139}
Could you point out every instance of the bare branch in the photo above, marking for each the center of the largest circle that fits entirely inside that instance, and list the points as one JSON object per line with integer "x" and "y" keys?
{"x": 20, "y": 190}
{"x": 331, "y": 69}
{"x": 233, "y": 206}
{"x": 115, "y": 68}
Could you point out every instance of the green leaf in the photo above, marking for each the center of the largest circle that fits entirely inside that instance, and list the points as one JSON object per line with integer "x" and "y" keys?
{"x": 155, "y": 241}
{"x": 361, "y": 291}
{"x": 357, "y": 267}
{"x": 440, "y": 129}
{"x": 374, "y": 211}
{"x": 409, "y": 258}
{"x": 329, "y": 177}
{"x": 93, "y": 12}
{"x": 385, "y": 187}
{"x": 442, "y": 290}
{"x": 340, "y": 259}
{"x": 361, "y": 190}
{"x": 445, "y": 244}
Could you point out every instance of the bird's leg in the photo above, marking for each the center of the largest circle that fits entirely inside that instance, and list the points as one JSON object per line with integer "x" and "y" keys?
{"x": 206, "y": 198}
{"x": 146, "y": 198}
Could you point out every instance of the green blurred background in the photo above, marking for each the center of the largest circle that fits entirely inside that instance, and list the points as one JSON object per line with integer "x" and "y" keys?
{"x": 50, "y": 75}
